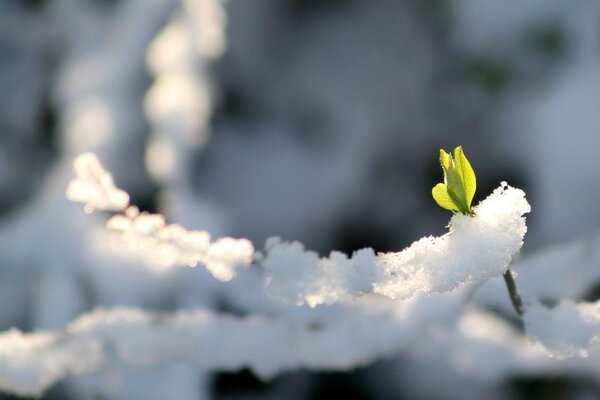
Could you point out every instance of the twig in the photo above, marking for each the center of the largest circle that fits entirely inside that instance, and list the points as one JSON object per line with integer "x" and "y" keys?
{"x": 513, "y": 292}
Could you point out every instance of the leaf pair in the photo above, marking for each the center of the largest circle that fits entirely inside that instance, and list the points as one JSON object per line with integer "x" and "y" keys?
{"x": 458, "y": 189}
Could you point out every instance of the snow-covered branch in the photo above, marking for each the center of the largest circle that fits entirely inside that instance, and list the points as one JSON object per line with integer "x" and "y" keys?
{"x": 179, "y": 103}
{"x": 95, "y": 187}
{"x": 171, "y": 244}
{"x": 567, "y": 330}
{"x": 474, "y": 250}
{"x": 32, "y": 362}
{"x": 161, "y": 243}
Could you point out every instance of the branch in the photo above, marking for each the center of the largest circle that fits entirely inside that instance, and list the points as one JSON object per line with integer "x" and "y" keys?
{"x": 475, "y": 249}
{"x": 515, "y": 297}
{"x": 32, "y": 362}
{"x": 160, "y": 243}
{"x": 568, "y": 330}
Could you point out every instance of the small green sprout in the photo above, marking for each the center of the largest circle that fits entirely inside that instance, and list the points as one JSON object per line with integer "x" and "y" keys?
{"x": 456, "y": 194}
{"x": 458, "y": 189}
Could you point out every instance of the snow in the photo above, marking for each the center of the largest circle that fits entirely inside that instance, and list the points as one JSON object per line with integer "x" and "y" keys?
{"x": 171, "y": 244}
{"x": 94, "y": 186}
{"x": 31, "y": 362}
{"x": 568, "y": 330}
{"x": 474, "y": 250}
{"x": 148, "y": 234}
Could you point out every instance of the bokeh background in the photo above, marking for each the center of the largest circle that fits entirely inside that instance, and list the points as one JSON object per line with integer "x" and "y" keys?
{"x": 313, "y": 120}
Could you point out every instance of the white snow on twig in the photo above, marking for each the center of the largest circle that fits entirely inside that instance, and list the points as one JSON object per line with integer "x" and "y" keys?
{"x": 475, "y": 249}
{"x": 172, "y": 244}
{"x": 160, "y": 243}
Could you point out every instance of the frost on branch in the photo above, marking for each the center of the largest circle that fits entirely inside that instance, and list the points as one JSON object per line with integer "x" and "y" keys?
{"x": 160, "y": 243}
{"x": 570, "y": 329}
{"x": 95, "y": 187}
{"x": 475, "y": 249}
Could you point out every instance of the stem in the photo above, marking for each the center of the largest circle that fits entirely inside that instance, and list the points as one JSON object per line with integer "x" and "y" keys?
{"x": 513, "y": 292}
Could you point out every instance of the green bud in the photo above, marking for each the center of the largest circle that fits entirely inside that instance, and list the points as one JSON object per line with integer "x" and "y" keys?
{"x": 458, "y": 189}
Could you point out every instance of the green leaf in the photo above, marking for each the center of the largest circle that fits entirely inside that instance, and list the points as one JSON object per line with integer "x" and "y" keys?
{"x": 442, "y": 198}
{"x": 458, "y": 189}
{"x": 466, "y": 172}
{"x": 445, "y": 160}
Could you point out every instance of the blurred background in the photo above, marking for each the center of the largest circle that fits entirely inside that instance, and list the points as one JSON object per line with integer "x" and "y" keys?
{"x": 313, "y": 120}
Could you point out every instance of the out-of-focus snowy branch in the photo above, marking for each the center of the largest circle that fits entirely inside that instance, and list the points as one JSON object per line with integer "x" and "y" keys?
{"x": 475, "y": 249}
{"x": 179, "y": 103}
{"x": 567, "y": 330}
{"x": 32, "y": 362}
{"x": 161, "y": 243}
{"x": 94, "y": 186}
{"x": 560, "y": 271}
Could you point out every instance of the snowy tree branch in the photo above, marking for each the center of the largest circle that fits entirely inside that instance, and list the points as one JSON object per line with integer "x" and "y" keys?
{"x": 171, "y": 244}
{"x": 567, "y": 330}
{"x": 165, "y": 244}
{"x": 94, "y": 186}
{"x": 474, "y": 250}
{"x": 31, "y": 362}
